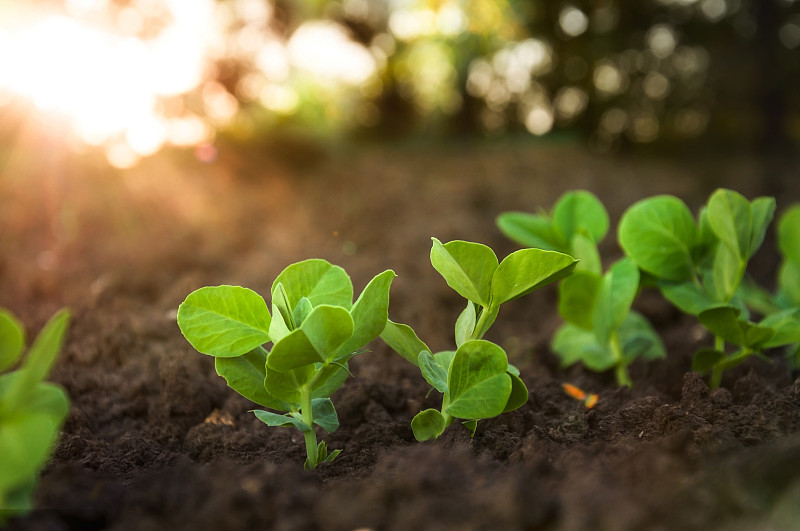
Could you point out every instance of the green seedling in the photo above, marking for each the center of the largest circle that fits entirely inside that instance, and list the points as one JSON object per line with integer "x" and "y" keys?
{"x": 699, "y": 267}
{"x": 31, "y": 410}
{"x": 601, "y": 330}
{"x": 314, "y": 328}
{"x": 579, "y": 222}
{"x": 476, "y": 380}
{"x": 784, "y": 304}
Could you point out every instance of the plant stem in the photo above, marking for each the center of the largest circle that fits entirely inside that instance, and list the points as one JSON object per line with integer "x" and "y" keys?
{"x": 309, "y": 435}
{"x": 716, "y": 376}
{"x": 481, "y": 324}
{"x": 620, "y": 367}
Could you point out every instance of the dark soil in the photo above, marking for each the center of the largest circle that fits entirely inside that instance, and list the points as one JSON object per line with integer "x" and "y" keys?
{"x": 156, "y": 440}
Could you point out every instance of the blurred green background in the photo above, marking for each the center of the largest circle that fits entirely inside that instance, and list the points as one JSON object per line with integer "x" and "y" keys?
{"x": 130, "y": 77}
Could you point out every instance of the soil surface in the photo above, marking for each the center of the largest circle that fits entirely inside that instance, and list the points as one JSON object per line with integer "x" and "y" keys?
{"x": 156, "y": 440}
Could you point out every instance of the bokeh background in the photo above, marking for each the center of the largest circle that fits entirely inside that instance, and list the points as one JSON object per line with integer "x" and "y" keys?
{"x": 126, "y": 79}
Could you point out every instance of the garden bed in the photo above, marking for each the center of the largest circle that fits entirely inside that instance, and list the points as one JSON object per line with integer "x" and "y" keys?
{"x": 156, "y": 440}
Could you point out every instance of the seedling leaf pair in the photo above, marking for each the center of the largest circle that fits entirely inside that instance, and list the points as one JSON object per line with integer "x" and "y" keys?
{"x": 476, "y": 380}
{"x": 315, "y": 328}
{"x": 578, "y": 223}
{"x": 31, "y": 410}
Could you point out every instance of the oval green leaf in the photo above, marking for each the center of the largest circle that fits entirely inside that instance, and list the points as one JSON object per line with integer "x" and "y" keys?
{"x": 428, "y": 424}
{"x": 403, "y": 340}
{"x": 478, "y": 382}
{"x": 527, "y": 270}
{"x": 580, "y": 212}
{"x": 614, "y": 298}
{"x": 245, "y": 374}
{"x": 530, "y": 230}
{"x": 369, "y": 314}
{"x": 789, "y": 234}
{"x": 576, "y": 298}
{"x": 659, "y": 234}
{"x": 467, "y": 267}
{"x": 12, "y": 339}
{"x": 224, "y": 321}
{"x": 319, "y": 281}
{"x": 434, "y": 374}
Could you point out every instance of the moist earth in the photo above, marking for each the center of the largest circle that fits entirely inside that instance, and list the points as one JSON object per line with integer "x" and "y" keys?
{"x": 156, "y": 440}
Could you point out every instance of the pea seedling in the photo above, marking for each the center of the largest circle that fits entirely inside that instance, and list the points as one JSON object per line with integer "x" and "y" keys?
{"x": 31, "y": 410}
{"x": 315, "y": 328}
{"x": 699, "y": 267}
{"x": 601, "y": 330}
{"x": 476, "y": 380}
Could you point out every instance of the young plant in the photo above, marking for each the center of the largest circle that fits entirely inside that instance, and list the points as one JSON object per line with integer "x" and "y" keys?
{"x": 31, "y": 410}
{"x": 601, "y": 330}
{"x": 699, "y": 267}
{"x": 476, "y": 380}
{"x": 784, "y": 305}
{"x": 315, "y": 328}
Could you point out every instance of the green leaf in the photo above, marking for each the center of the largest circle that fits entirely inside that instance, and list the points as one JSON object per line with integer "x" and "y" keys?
{"x": 403, "y": 340}
{"x": 580, "y": 212}
{"x": 324, "y": 414}
{"x": 245, "y": 375}
{"x": 598, "y": 358}
{"x": 569, "y": 343}
{"x": 319, "y": 281}
{"x": 614, "y": 298}
{"x": 576, "y": 298}
{"x": 275, "y": 420}
{"x": 224, "y": 321}
{"x": 731, "y": 220}
{"x": 323, "y": 331}
{"x": 687, "y": 296}
{"x": 467, "y": 267}
{"x": 530, "y": 230}
{"x": 281, "y": 307}
{"x": 789, "y": 234}
{"x": 726, "y": 274}
{"x": 519, "y": 393}
{"x": 465, "y": 324}
{"x": 49, "y": 399}
{"x": 434, "y": 374}
{"x": 659, "y": 234}
{"x": 705, "y": 359}
{"x": 278, "y": 329}
{"x": 369, "y": 314}
{"x": 762, "y": 210}
{"x": 37, "y": 363}
{"x": 478, "y": 381}
{"x": 739, "y": 224}
{"x": 12, "y": 339}
{"x": 786, "y": 325}
{"x": 26, "y": 441}
{"x": 428, "y": 424}
{"x": 301, "y": 311}
{"x": 526, "y": 270}
{"x": 723, "y": 321}
{"x": 585, "y": 250}
{"x": 639, "y": 339}
{"x": 286, "y": 386}
{"x": 789, "y": 282}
